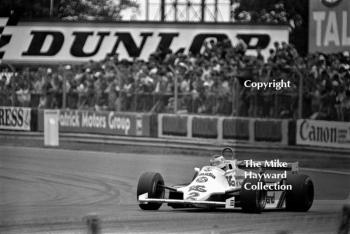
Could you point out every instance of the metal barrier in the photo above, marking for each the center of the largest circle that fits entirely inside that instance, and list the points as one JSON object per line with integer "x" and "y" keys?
{"x": 224, "y": 128}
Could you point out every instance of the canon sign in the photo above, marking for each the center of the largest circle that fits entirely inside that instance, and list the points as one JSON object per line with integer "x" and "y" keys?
{"x": 323, "y": 133}
{"x": 76, "y": 42}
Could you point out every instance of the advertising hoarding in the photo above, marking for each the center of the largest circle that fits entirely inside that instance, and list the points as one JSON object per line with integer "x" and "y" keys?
{"x": 103, "y": 122}
{"x": 15, "y": 118}
{"x": 67, "y": 42}
{"x": 323, "y": 133}
{"x": 329, "y": 26}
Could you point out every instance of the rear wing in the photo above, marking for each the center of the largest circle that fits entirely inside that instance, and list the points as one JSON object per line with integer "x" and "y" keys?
{"x": 291, "y": 166}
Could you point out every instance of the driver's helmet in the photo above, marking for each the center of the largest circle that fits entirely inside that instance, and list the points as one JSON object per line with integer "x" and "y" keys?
{"x": 218, "y": 161}
{"x": 229, "y": 153}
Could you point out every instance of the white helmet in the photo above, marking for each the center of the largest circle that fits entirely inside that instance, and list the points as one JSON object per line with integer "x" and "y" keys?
{"x": 218, "y": 161}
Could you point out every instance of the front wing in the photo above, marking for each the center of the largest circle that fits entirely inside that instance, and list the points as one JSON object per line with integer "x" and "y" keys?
{"x": 274, "y": 200}
{"x": 228, "y": 204}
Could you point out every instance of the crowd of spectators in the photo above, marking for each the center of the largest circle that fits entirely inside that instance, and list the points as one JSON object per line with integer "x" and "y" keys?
{"x": 327, "y": 89}
{"x": 74, "y": 10}
{"x": 208, "y": 83}
{"x": 276, "y": 14}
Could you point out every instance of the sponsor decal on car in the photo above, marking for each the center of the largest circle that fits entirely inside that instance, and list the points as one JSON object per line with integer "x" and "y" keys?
{"x": 270, "y": 198}
{"x": 233, "y": 182}
{"x": 198, "y": 188}
{"x": 201, "y": 179}
{"x": 230, "y": 203}
{"x": 207, "y": 174}
{"x": 193, "y": 196}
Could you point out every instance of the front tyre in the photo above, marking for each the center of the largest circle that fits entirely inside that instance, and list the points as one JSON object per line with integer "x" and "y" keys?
{"x": 301, "y": 197}
{"x": 252, "y": 201}
{"x": 151, "y": 183}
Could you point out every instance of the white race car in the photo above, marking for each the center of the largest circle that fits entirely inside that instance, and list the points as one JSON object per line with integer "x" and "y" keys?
{"x": 213, "y": 187}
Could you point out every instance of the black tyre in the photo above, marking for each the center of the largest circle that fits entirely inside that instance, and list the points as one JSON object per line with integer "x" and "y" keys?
{"x": 301, "y": 197}
{"x": 252, "y": 201}
{"x": 151, "y": 183}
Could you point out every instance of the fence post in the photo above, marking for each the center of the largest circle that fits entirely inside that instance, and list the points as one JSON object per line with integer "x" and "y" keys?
{"x": 175, "y": 88}
{"x": 134, "y": 101}
{"x": 300, "y": 96}
{"x": 235, "y": 97}
{"x": 276, "y": 104}
{"x": 13, "y": 92}
{"x": 64, "y": 90}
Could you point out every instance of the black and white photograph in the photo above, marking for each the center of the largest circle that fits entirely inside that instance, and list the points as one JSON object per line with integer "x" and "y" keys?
{"x": 175, "y": 116}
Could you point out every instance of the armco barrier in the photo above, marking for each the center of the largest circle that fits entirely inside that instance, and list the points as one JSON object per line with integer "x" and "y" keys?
{"x": 171, "y": 125}
{"x": 105, "y": 122}
{"x": 206, "y": 127}
{"x": 268, "y": 130}
{"x": 221, "y": 129}
{"x": 174, "y": 125}
{"x": 273, "y": 130}
{"x": 235, "y": 128}
{"x": 224, "y": 128}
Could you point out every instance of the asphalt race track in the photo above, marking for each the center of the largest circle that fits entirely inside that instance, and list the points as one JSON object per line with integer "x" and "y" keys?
{"x": 52, "y": 190}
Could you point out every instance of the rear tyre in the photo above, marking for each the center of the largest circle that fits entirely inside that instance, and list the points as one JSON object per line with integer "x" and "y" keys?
{"x": 301, "y": 197}
{"x": 252, "y": 201}
{"x": 151, "y": 183}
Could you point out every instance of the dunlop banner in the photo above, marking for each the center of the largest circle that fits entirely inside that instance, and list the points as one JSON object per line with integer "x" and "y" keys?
{"x": 323, "y": 133}
{"x": 68, "y": 42}
{"x": 329, "y": 26}
{"x": 15, "y": 118}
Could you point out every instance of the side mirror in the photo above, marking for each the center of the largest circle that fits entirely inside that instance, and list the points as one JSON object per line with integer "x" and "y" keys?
{"x": 196, "y": 169}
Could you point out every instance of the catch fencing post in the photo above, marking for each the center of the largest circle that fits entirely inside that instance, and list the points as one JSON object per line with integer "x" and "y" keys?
{"x": 300, "y": 96}
{"x": 64, "y": 91}
{"x": 175, "y": 88}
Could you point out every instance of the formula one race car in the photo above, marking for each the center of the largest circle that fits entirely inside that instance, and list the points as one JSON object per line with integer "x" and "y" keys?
{"x": 249, "y": 185}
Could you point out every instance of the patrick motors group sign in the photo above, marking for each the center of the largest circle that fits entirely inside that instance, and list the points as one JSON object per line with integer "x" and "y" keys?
{"x": 51, "y": 42}
{"x": 323, "y": 133}
{"x": 102, "y": 122}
